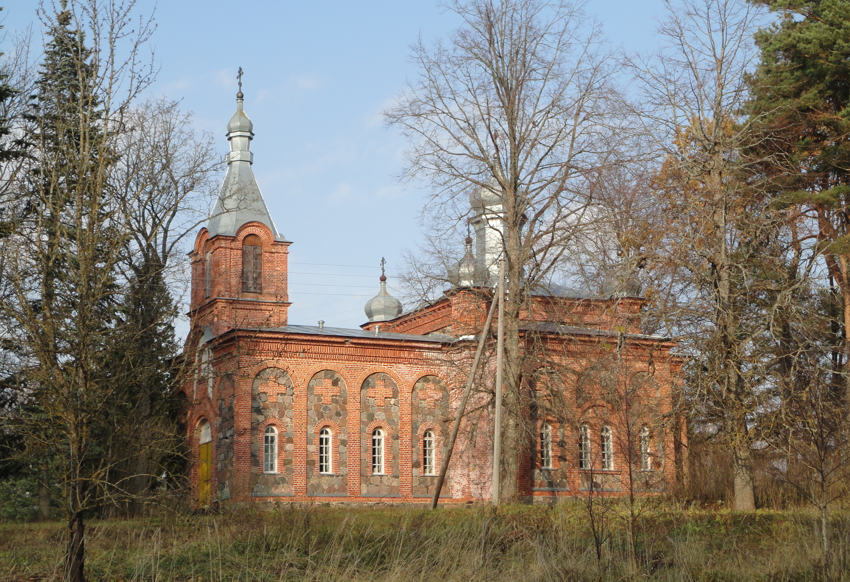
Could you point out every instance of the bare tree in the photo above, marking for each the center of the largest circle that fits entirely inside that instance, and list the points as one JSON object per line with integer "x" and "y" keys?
{"x": 516, "y": 105}
{"x": 691, "y": 97}
{"x": 63, "y": 257}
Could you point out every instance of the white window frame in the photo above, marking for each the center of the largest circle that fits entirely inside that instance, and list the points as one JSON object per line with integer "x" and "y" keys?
{"x": 325, "y": 451}
{"x": 378, "y": 451}
{"x": 645, "y": 448}
{"x": 270, "y": 450}
{"x": 429, "y": 465}
{"x": 607, "y": 441}
{"x": 584, "y": 458}
{"x": 546, "y": 446}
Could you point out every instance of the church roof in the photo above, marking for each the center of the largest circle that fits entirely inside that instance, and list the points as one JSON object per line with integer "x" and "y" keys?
{"x": 358, "y": 333}
{"x": 240, "y": 201}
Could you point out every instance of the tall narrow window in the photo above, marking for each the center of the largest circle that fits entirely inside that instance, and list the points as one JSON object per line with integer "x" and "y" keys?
{"x": 270, "y": 450}
{"x": 207, "y": 274}
{"x": 607, "y": 449}
{"x": 377, "y": 452}
{"x": 207, "y": 371}
{"x": 428, "y": 465}
{"x": 584, "y": 447}
{"x": 645, "y": 454}
{"x": 252, "y": 264}
{"x": 325, "y": 443}
{"x": 545, "y": 446}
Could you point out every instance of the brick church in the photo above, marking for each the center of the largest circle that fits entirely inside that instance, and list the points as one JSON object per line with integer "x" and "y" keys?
{"x": 282, "y": 412}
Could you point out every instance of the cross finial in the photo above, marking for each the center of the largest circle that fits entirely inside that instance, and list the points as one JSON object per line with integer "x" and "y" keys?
{"x": 383, "y": 265}
{"x": 239, "y": 80}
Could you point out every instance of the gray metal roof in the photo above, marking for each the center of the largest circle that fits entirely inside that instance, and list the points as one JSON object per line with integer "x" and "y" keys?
{"x": 357, "y": 333}
{"x": 240, "y": 200}
{"x": 561, "y": 329}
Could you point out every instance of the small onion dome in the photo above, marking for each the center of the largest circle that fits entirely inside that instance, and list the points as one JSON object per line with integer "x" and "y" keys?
{"x": 486, "y": 195}
{"x": 240, "y": 122}
{"x": 466, "y": 267}
{"x": 383, "y": 306}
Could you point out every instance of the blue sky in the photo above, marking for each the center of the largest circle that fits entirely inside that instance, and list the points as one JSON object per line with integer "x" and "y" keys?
{"x": 317, "y": 77}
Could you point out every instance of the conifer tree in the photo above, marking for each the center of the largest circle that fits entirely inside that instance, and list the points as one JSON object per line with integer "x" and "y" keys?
{"x": 63, "y": 256}
{"x": 801, "y": 105}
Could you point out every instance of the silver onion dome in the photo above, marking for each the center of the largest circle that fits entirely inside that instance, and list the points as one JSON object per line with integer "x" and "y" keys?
{"x": 486, "y": 195}
{"x": 466, "y": 267}
{"x": 383, "y": 306}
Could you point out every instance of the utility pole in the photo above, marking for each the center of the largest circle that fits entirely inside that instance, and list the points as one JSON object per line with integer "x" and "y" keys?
{"x": 500, "y": 355}
{"x": 482, "y": 339}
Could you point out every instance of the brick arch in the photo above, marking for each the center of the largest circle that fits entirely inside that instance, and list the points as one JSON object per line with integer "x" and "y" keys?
{"x": 427, "y": 374}
{"x": 335, "y": 428}
{"x": 253, "y": 371}
{"x": 257, "y": 228}
{"x": 379, "y": 393}
{"x": 199, "y": 410}
{"x": 302, "y": 375}
{"x": 201, "y": 240}
{"x": 361, "y": 378}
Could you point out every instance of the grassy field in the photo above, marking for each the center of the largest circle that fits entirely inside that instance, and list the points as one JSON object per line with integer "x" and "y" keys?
{"x": 453, "y": 543}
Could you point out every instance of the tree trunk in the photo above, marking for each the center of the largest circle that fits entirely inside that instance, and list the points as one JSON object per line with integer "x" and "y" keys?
{"x": 75, "y": 557}
{"x": 742, "y": 467}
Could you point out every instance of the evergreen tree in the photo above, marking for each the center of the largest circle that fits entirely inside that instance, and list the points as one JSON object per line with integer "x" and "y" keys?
{"x": 801, "y": 105}
{"x": 144, "y": 436}
{"x": 64, "y": 251}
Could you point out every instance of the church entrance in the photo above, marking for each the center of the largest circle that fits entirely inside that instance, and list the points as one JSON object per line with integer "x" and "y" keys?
{"x": 204, "y": 465}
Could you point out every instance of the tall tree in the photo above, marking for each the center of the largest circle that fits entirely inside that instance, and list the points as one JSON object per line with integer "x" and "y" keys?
{"x": 164, "y": 172}
{"x": 718, "y": 227}
{"x": 63, "y": 257}
{"x": 801, "y": 102}
{"x": 514, "y": 104}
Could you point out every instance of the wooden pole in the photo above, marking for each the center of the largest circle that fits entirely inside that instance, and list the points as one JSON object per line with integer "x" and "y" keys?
{"x": 500, "y": 355}
{"x": 451, "y": 444}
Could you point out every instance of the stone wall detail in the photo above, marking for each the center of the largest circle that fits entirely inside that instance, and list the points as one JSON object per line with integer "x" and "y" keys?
{"x": 379, "y": 408}
{"x": 327, "y": 406}
{"x": 272, "y": 403}
{"x": 429, "y": 411}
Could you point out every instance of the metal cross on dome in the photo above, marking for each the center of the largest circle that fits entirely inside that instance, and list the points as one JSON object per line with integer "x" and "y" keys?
{"x": 383, "y": 264}
{"x": 239, "y": 78}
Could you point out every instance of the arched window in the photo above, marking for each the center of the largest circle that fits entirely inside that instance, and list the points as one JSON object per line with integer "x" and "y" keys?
{"x": 607, "y": 449}
{"x": 584, "y": 447}
{"x": 252, "y": 264}
{"x": 545, "y": 446}
{"x": 325, "y": 444}
{"x": 377, "y": 452}
{"x": 644, "y": 445}
{"x": 270, "y": 450}
{"x": 429, "y": 467}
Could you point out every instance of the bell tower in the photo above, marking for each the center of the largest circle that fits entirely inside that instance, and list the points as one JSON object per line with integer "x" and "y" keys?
{"x": 239, "y": 261}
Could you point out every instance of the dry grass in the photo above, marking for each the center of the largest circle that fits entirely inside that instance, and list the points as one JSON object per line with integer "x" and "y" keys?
{"x": 453, "y": 543}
